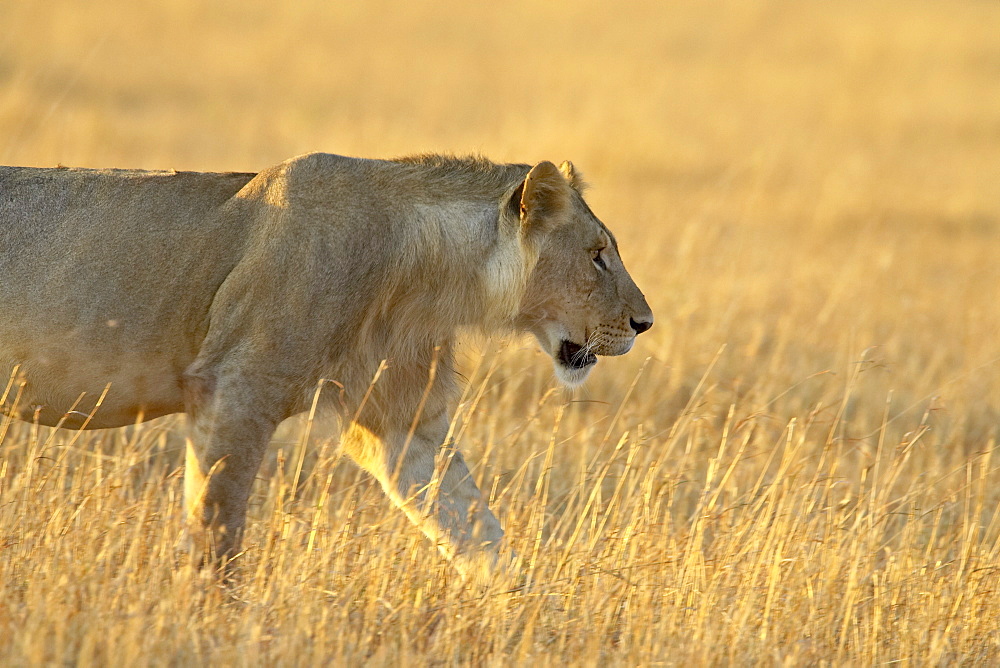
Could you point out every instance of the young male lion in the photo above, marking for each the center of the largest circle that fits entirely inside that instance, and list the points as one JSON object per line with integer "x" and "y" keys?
{"x": 229, "y": 296}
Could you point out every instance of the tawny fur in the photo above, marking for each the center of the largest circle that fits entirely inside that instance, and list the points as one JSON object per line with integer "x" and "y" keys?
{"x": 229, "y": 296}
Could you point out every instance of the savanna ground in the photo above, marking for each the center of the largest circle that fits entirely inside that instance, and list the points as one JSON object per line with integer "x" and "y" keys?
{"x": 794, "y": 466}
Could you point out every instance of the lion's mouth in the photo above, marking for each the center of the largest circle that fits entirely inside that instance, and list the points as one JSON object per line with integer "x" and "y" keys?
{"x": 575, "y": 356}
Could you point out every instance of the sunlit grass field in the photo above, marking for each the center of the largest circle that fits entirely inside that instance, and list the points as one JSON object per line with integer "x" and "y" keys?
{"x": 795, "y": 466}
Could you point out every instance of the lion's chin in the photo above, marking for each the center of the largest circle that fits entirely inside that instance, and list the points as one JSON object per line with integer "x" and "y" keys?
{"x": 572, "y": 363}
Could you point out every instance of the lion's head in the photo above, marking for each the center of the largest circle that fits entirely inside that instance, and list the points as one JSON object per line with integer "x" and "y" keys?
{"x": 580, "y": 301}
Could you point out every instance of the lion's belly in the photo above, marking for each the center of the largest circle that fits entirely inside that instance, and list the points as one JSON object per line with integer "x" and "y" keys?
{"x": 84, "y": 386}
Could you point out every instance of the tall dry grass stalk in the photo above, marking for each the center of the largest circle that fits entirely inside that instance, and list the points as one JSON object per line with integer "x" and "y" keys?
{"x": 726, "y": 537}
{"x": 796, "y": 464}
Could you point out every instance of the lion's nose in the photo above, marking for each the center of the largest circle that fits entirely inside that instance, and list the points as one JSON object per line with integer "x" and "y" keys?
{"x": 640, "y": 326}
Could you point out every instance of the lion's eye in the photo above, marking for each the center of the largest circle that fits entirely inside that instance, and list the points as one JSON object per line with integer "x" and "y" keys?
{"x": 598, "y": 260}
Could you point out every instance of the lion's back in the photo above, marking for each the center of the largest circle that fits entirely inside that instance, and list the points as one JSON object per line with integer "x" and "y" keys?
{"x": 57, "y": 208}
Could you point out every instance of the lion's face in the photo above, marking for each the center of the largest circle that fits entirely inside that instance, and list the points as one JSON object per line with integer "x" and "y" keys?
{"x": 580, "y": 301}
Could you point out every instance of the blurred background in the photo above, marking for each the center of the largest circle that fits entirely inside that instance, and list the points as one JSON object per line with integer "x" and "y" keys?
{"x": 809, "y": 184}
{"x": 807, "y": 192}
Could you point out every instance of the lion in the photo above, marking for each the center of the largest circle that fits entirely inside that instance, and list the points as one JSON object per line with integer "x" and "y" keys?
{"x": 128, "y": 295}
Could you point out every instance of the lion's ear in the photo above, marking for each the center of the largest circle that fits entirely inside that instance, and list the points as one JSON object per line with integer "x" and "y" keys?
{"x": 572, "y": 176}
{"x": 545, "y": 199}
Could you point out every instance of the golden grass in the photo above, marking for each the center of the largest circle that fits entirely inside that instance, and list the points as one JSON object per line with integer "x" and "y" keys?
{"x": 793, "y": 467}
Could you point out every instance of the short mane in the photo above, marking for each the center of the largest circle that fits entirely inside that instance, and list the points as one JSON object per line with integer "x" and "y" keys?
{"x": 468, "y": 171}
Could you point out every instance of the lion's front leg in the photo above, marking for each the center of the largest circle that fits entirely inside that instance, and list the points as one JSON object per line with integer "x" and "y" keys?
{"x": 434, "y": 487}
{"x": 229, "y": 430}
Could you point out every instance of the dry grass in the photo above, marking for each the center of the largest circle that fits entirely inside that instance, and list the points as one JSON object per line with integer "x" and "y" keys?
{"x": 795, "y": 465}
